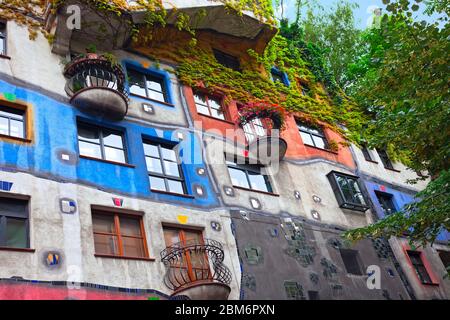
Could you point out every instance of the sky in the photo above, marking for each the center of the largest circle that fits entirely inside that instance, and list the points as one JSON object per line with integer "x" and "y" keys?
{"x": 362, "y": 14}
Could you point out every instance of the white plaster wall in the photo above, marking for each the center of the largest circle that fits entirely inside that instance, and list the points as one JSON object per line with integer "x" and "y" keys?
{"x": 73, "y": 236}
{"x": 377, "y": 170}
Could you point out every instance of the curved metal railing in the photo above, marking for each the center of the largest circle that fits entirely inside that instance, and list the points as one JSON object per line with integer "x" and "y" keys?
{"x": 87, "y": 72}
{"x": 193, "y": 262}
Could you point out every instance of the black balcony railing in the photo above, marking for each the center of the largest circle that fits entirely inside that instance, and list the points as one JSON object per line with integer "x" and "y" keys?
{"x": 194, "y": 263}
{"x": 98, "y": 72}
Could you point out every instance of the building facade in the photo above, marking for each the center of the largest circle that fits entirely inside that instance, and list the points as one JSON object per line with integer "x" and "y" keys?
{"x": 119, "y": 180}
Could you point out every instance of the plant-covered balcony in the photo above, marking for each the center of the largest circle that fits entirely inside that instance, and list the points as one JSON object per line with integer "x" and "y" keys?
{"x": 196, "y": 270}
{"x": 96, "y": 85}
{"x": 269, "y": 146}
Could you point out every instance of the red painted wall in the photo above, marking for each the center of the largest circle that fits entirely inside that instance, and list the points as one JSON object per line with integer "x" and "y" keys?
{"x": 27, "y": 291}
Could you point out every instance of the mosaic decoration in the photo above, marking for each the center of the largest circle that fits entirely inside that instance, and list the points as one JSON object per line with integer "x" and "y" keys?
{"x": 329, "y": 269}
{"x": 298, "y": 247}
{"x": 317, "y": 199}
{"x": 253, "y": 255}
{"x": 297, "y": 195}
{"x": 381, "y": 247}
{"x": 67, "y": 206}
{"x": 182, "y": 219}
{"x": 52, "y": 259}
{"x": 67, "y": 157}
{"x": 337, "y": 289}
{"x": 315, "y": 214}
{"x": 216, "y": 226}
{"x": 386, "y": 295}
{"x": 180, "y": 135}
{"x": 273, "y": 232}
{"x": 201, "y": 171}
{"x": 228, "y": 191}
{"x": 335, "y": 243}
{"x": 5, "y": 185}
{"x": 148, "y": 108}
{"x": 294, "y": 291}
{"x": 244, "y": 214}
{"x": 117, "y": 202}
{"x": 199, "y": 190}
{"x": 9, "y": 96}
{"x": 255, "y": 203}
{"x": 249, "y": 281}
{"x": 314, "y": 277}
{"x": 390, "y": 272}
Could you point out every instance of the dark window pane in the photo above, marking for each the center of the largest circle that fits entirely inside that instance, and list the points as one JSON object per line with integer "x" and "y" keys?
{"x": 133, "y": 247}
{"x": 89, "y": 134}
{"x": 200, "y": 99}
{"x": 106, "y": 244}
{"x": 136, "y": 83}
{"x": 103, "y": 223}
{"x": 16, "y": 233}
{"x": 277, "y": 77}
{"x": 227, "y": 60}
{"x": 351, "y": 261}
{"x": 386, "y": 203}
{"x": 238, "y": 178}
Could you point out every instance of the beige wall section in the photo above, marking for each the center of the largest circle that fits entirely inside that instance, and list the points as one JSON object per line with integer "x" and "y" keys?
{"x": 309, "y": 178}
{"x": 377, "y": 170}
{"x": 72, "y": 236}
{"x": 423, "y": 291}
{"x": 32, "y": 60}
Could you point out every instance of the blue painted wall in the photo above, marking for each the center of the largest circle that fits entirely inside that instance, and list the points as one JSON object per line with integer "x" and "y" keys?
{"x": 400, "y": 199}
{"x": 54, "y": 126}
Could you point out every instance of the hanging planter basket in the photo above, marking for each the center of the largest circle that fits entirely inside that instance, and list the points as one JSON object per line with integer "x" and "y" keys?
{"x": 265, "y": 111}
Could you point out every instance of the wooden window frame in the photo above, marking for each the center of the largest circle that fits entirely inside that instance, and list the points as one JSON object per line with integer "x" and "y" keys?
{"x": 116, "y": 218}
{"x": 154, "y": 78}
{"x": 415, "y": 266}
{"x": 207, "y": 98}
{"x": 163, "y": 175}
{"x": 101, "y": 130}
{"x": 15, "y": 111}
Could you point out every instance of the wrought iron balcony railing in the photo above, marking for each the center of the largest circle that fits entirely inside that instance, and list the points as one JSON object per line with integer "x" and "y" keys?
{"x": 192, "y": 263}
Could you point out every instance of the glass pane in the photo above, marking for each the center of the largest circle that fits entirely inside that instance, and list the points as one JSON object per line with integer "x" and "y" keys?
{"x": 238, "y": 178}
{"x": 200, "y": 99}
{"x": 16, "y": 233}
{"x": 171, "y": 168}
{"x": 103, "y": 223}
{"x": 106, "y": 244}
{"x": 154, "y": 85}
{"x": 214, "y": 103}
{"x": 133, "y": 247}
{"x": 306, "y": 137}
{"x": 156, "y": 95}
{"x": 89, "y": 134}
{"x": 175, "y": 186}
{"x": 319, "y": 142}
{"x": 151, "y": 150}
{"x": 2, "y": 46}
{"x": 157, "y": 183}
{"x": 112, "y": 139}
{"x": 113, "y": 154}
{"x": 130, "y": 227}
{"x": 4, "y": 126}
{"x": 168, "y": 154}
{"x": 258, "y": 181}
{"x": 136, "y": 83}
{"x": 217, "y": 114}
{"x": 90, "y": 150}
{"x": 171, "y": 236}
{"x": 16, "y": 128}
{"x": 153, "y": 165}
{"x": 202, "y": 109}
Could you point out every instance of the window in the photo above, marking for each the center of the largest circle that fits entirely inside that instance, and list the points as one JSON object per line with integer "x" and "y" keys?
{"x": 248, "y": 176}
{"x": 445, "y": 258}
{"x": 14, "y": 223}
{"x": 12, "y": 122}
{"x": 366, "y": 153}
{"x": 165, "y": 173}
{"x": 3, "y": 38}
{"x": 351, "y": 261}
{"x": 146, "y": 85}
{"x": 193, "y": 265}
{"x": 278, "y": 76}
{"x": 208, "y": 105}
{"x": 312, "y": 136}
{"x": 347, "y": 191}
{"x": 227, "y": 60}
{"x": 119, "y": 235}
{"x": 305, "y": 89}
{"x": 313, "y": 295}
{"x": 419, "y": 267}
{"x": 101, "y": 143}
{"x": 386, "y": 202}
{"x": 385, "y": 159}
{"x": 294, "y": 291}
{"x": 253, "y": 129}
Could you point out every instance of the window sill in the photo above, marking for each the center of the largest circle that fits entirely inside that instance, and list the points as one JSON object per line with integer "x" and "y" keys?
{"x": 173, "y": 194}
{"x": 321, "y": 149}
{"x": 218, "y": 119}
{"x": 153, "y": 100}
{"x": 6, "y": 137}
{"x": 98, "y": 255}
{"x": 17, "y": 249}
{"x": 2, "y": 56}
{"x": 108, "y": 161}
{"x": 257, "y": 191}
{"x": 392, "y": 169}
{"x": 433, "y": 284}
{"x": 372, "y": 161}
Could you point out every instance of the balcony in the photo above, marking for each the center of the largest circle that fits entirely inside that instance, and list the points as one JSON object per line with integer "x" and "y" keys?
{"x": 97, "y": 86}
{"x": 196, "y": 270}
